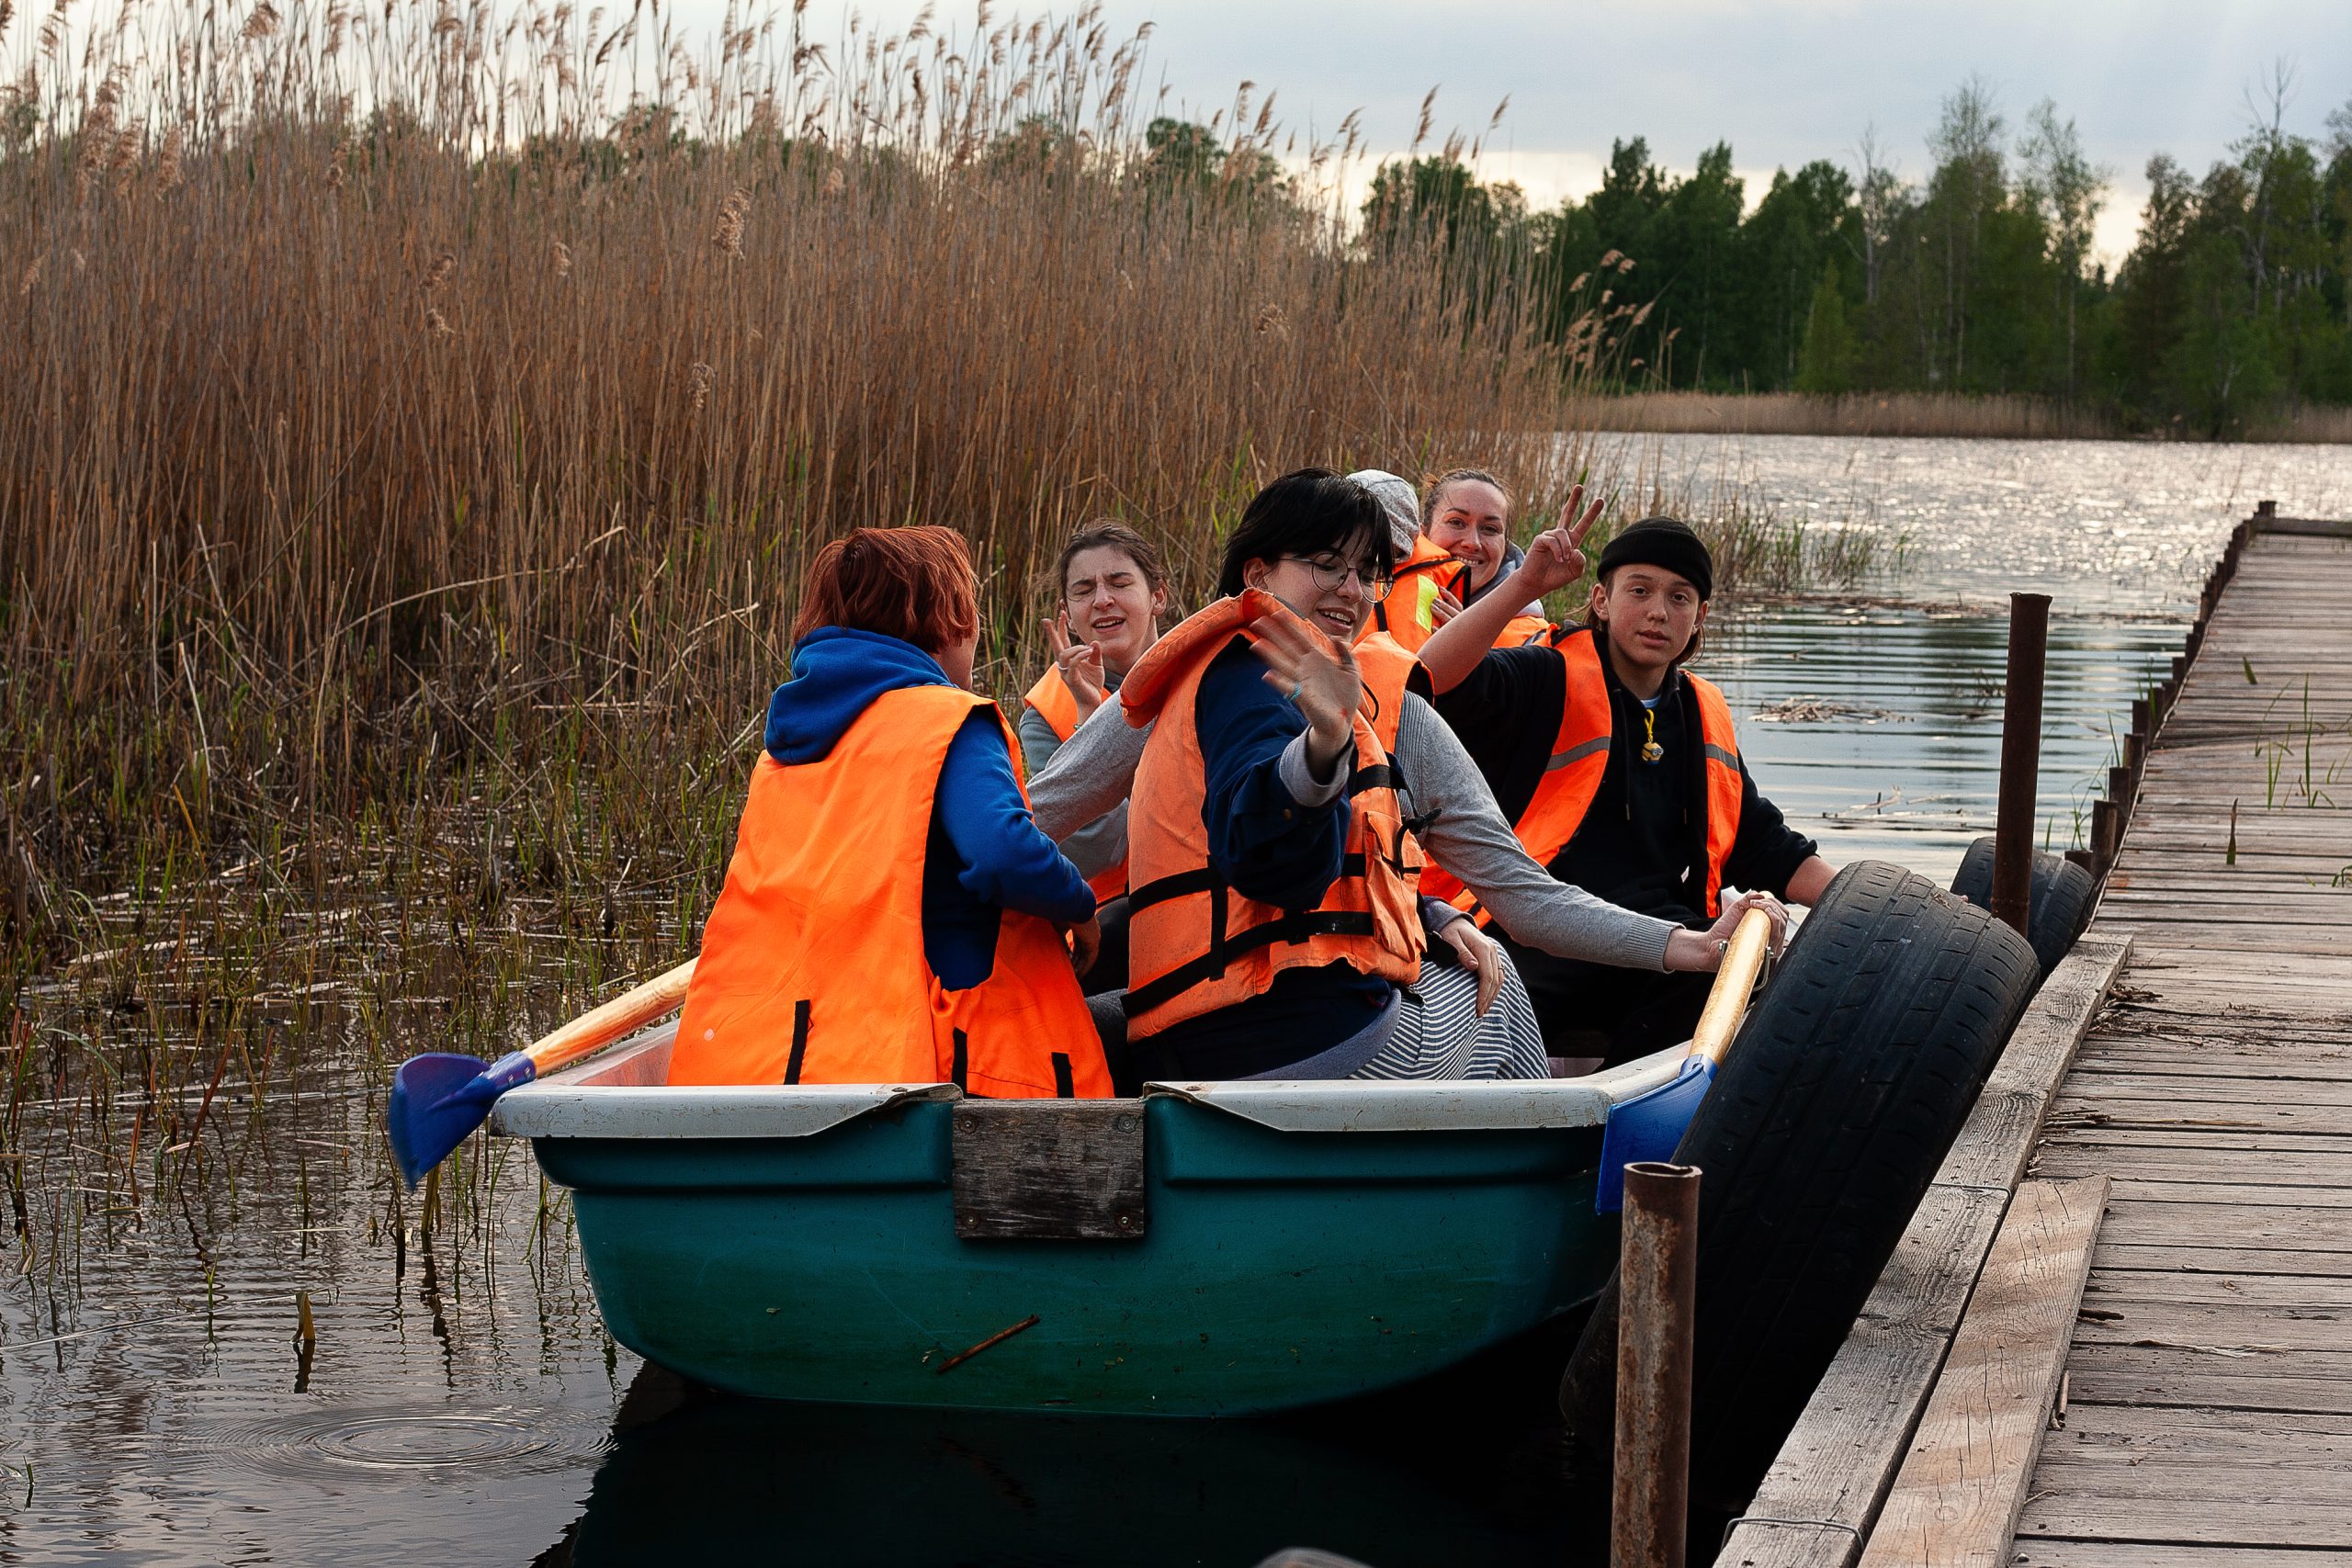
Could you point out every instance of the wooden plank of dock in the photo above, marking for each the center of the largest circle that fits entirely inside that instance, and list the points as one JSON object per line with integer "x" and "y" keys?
{"x": 1956, "y": 1499}
{"x": 2209, "y": 1406}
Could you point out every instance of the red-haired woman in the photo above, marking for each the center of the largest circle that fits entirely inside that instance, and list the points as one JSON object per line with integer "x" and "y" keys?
{"x": 891, "y": 914}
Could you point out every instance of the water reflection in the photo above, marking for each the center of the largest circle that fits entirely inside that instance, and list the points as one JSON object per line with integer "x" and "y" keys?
{"x": 1877, "y": 730}
{"x": 1472, "y": 1476}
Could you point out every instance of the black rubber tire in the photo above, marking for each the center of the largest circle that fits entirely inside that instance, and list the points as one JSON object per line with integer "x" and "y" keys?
{"x": 2060, "y": 898}
{"x": 1828, "y": 1118}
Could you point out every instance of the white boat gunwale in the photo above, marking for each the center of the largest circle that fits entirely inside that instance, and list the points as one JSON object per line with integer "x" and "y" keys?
{"x": 621, "y": 1094}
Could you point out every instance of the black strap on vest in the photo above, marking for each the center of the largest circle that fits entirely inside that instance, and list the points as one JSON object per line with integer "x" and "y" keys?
{"x": 1295, "y": 927}
{"x": 1064, "y": 1087}
{"x": 799, "y": 1042}
{"x": 963, "y": 1062}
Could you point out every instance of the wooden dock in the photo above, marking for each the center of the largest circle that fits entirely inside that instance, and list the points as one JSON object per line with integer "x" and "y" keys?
{"x": 2209, "y": 1417}
{"x": 2166, "y": 1383}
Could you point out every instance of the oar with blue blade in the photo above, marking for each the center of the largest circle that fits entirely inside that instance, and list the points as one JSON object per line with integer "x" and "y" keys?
{"x": 1649, "y": 1125}
{"x": 439, "y": 1098}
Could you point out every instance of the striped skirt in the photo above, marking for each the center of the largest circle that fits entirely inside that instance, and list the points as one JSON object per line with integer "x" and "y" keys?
{"x": 1431, "y": 1030}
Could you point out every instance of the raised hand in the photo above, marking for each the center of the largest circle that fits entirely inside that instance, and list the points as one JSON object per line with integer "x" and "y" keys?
{"x": 1320, "y": 678}
{"x": 1556, "y": 558}
{"x": 1080, "y": 663}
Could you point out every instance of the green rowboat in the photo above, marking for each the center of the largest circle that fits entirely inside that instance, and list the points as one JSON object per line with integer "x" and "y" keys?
{"x": 1208, "y": 1250}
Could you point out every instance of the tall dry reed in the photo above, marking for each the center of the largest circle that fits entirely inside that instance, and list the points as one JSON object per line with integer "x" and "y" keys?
{"x": 418, "y": 417}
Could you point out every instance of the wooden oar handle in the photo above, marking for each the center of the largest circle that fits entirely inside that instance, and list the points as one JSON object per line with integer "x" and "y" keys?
{"x": 600, "y": 1026}
{"x": 1734, "y": 977}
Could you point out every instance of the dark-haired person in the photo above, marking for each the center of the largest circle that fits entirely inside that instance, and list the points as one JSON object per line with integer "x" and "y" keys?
{"x": 891, "y": 914}
{"x": 1459, "y": 553}
{"x": 1112, "y": 595}
{"x": 1619, "y": 769}
{"x": 1273, "y": 836}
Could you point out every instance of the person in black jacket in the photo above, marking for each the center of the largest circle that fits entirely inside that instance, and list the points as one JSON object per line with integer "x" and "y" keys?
{"x": 1619, "y": 769}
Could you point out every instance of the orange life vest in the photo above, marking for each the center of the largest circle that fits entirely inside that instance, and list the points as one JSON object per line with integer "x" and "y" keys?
{"x": 1195, "y": 943}
{"x": 1580, "y": 756}
{"x": 1405, "y": 615}
{"x": 1051, "y": 697}
{"x": 1386, "y": 669}
{"x": 812, "y": 967}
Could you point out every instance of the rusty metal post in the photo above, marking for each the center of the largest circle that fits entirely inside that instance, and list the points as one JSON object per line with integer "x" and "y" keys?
{"x": 1658, "y": 1274}
{"x": 2021, "y": 762}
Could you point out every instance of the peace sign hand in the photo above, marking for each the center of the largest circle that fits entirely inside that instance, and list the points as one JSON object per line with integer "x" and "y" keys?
{"x": 1556, "y": 558}
{"x": 1081, "y": 664}
{"x": 1323, "y": 683}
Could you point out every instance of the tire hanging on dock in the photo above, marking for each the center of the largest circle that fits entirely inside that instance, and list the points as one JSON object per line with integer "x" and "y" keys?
{"x": 1838, "y": 1100}
{"x": 2059, "y": 903}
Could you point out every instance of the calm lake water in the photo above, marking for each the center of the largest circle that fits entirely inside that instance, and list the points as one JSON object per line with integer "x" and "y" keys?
{"x": 463, "y": 1405}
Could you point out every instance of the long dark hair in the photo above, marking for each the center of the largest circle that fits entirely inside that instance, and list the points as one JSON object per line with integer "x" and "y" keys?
{"x": 1306, "y": 513}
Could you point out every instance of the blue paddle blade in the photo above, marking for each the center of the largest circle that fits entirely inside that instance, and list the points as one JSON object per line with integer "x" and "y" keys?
{"x": 439, "y": 1098}
{"x": 1648, "y": 1127}
{"x": 425, "y": 1118}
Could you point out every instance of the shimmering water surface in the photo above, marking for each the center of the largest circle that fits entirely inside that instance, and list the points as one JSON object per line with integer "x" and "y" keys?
{"x": 461, "y": 1402}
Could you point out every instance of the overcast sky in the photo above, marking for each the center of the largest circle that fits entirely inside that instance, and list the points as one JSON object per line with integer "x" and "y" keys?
{"x": 1783, "y": 83}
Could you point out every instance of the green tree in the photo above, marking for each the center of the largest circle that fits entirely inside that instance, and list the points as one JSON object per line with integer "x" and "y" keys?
{"x": 1806, "y": 221}
{"x": 2066, "y": 190}
{"x": 1828, "y": 346}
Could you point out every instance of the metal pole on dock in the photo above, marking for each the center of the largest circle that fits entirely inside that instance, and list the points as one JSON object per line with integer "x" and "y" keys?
{"x": 1657, "y": 1275}
{"x": 2021, "y": 762}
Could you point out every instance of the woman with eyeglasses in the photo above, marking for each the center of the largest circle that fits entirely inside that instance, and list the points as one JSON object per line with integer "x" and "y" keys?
{"x": 1274, "y": 837}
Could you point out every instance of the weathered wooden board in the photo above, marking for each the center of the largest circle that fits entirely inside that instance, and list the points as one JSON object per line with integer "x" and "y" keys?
{"x": 1825, "y": 1488}
{"x": 2044, "y": 1552}
{"x": 2222, "y": 1259}
{"x": 1955, "y": 1500}
{"x": 2153, "y": 1378}
{"x": 1049, "y": 1171}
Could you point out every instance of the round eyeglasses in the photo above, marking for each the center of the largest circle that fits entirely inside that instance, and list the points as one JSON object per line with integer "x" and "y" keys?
{"x": 1331, "y": 571}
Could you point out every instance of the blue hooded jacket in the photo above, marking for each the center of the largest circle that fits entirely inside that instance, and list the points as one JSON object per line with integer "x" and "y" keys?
{"x": 985, "y": 853}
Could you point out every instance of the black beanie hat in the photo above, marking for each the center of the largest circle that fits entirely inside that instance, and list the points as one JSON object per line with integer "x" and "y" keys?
{"x": 1665, "y": 542}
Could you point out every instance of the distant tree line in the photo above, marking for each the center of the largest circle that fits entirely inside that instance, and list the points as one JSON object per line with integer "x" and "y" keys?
{"x": 2234, "y": 301}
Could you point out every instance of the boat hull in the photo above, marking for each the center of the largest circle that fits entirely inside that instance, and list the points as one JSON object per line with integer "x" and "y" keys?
{"x": 1275, "y": 1267}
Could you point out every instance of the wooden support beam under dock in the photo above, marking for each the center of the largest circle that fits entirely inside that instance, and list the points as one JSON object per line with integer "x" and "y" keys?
{"x": 2202, "y": 1416}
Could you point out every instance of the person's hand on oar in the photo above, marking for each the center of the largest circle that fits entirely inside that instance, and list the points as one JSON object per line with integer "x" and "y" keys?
{"x": 439, "y": 1098}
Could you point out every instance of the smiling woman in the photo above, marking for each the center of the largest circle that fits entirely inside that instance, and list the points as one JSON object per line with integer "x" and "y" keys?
{"x": 1112, "y": 594}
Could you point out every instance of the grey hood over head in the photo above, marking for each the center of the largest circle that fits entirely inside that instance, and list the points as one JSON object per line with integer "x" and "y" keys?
{"x": 1396, "y": 497}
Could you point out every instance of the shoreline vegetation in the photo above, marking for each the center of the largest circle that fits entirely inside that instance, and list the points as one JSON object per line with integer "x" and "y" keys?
{"x": 1933, "y": 414}
{"x": 420, "y": 417}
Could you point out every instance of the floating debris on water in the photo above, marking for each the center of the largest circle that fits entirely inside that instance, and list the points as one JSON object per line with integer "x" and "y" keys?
{"x": 1820, "y": 710}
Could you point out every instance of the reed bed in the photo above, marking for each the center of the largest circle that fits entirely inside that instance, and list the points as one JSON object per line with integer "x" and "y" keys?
{"x": 418, "y": 417}
{"x": 1855, "y": 414}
